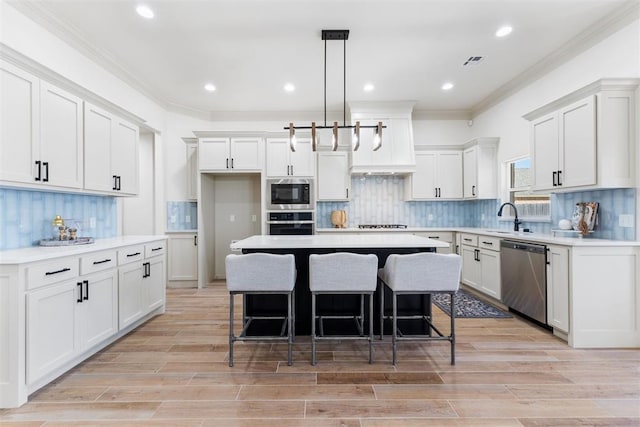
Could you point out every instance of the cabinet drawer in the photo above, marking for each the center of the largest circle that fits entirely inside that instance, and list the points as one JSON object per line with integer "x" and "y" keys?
{"x": 155, "y": 248}
{"x": 492, "y": 243}
{"x": 130, "y": 254}
{"x": 469, "y": 239}
{"x": 98, "y": 261}
{"x": 443, "y": 236}
{"x": 48, "y": 272}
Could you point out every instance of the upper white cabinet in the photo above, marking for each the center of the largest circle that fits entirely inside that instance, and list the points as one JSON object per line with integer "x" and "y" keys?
{"x": 397, "y": 152}
{"x": 586, "y": 139}
{"x": 229, "y": 154}
{"x": 41, "y": 125}
{"x": 111, "y": 153}
{"x": 438, "y": 176}
{"x": 334, "y": 181}
{"x": 281, "y": 161}
{"x": 192, "y": 167}
{"x": 480, "y": 166}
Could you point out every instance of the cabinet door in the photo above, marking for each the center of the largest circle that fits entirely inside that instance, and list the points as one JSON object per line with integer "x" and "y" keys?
{"x": 245, "y": 154}
{"x": 214, "y": 154}
{"x": 471, "y": 273}
{"x": 470, "y": 164}
{"x": 402, "y": 152}
{"x": 303, "y": 159}
{"x": 278, "y": 157}
{"x": 124, "y": 155}
{"x": 192, "y": 171}
{"x": 61, "y": 139}
{"x": 449, "y": 170}
{"x": 154, "y": 284}
{"x": 52, "y": 328}
{"x": 18, "y": 124}
{"x": 423, "y": 181}
{"x": 130, "y": 294}
{"x": 577, "y": 156}
{"x": 558, "y": 287}
{"x": 98, "y": 126}
{"x": 183, "y": 257}
{"x": 544, "y": 151}
{"x": 334, "y": 180}
{"x": 490, "y": 276}
{"x": 99, "y": 308}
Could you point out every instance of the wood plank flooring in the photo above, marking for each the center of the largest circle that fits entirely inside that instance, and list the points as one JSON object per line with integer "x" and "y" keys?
{"x": 173, "y": 371}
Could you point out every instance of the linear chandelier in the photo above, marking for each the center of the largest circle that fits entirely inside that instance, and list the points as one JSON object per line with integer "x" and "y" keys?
{"x": 355, "y": 144}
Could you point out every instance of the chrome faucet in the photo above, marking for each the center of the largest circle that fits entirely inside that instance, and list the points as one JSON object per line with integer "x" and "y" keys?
{"x": 516, "y": 221}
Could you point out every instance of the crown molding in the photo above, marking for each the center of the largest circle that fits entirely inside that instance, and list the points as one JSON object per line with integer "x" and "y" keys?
{"x": 442, "y": 115}
{"x": 38, "y": 11}
{"x": 618, "y": 19}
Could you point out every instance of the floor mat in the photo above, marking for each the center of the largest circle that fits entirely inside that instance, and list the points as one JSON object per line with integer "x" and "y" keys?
{"x": 467, "y": 305}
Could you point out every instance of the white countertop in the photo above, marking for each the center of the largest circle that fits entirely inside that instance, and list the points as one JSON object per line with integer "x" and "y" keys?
{"x": 337, "y": 241}
{"x": 504, "y": 234}
{"x": 41, "y": 253}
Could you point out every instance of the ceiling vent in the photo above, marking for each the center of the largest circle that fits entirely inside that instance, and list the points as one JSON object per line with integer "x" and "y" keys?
{"x": 473, "y": 60}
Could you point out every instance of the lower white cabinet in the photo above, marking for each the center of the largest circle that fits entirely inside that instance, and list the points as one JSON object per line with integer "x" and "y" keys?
{"x": 481, "y": 263}
{"x": 442, "y": 236}
{"x": 558, "y": 287}
{"x": 183, "y": 257}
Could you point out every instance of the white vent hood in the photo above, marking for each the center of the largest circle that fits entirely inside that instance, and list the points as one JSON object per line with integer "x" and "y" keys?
{"x": 397, "y": 155}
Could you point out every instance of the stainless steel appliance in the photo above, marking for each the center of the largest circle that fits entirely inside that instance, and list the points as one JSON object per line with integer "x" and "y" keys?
{"x": 283, "y": 223}
{"x": 290, "y": 193}
{"x": 524, "y": 278}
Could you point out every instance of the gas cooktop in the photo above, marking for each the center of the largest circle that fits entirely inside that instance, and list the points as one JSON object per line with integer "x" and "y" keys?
{"x": 382, "y": 226}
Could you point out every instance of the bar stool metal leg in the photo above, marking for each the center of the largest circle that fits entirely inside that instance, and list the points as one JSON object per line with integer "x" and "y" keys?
{"x": 453, "y": 334}
{"x": 370, "y": 328}
{"x": 289, "y": 330}
{"x": 313, "y": 329}
{"x": 381, "y": 309}
{"x": 231, "y": 333}
{"x": 394, "y": 333}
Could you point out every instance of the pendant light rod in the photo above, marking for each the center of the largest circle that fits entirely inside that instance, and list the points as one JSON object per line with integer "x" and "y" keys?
{"x": 344, "y": 82}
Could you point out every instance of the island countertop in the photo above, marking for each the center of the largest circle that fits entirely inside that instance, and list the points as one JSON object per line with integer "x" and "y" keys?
{"x": 337, "y": 241}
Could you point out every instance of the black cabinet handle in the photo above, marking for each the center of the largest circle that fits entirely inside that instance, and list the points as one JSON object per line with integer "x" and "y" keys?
{"x": 119, "y": 183}
{"x": 50, "y": 273}
{"x": 466, "y": 240}
{"x": 147, "y": 269}
{"x": 546, "y": 257}
{"x": 101, "y": 262}
{"x": 45, "y": 165}
{"x": 477, "y": 254}
{"x": 156, "y": 249}
{"x": 434, "y": 237}
{"x": 135, "y": 254}
{"x": 554, "y": 175}
{"x": 288, "y": 173}
{"x": 39, "y": 175}
{"x": 115, "y": 182}
{"x": 435, "y": 191}
{"x": 232, "y": 163}
{"x": 488, "y": 243}
{"x": 559, "y": 178}
{"x": 227, "y": 163}
{"x": 195, "y": 240}
{"x": 79, "y": 284}
{"x": 86, "y": 289}
{"x": 473, "y": 190}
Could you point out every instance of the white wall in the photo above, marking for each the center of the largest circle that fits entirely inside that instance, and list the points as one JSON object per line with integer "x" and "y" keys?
{"x": 441, "y": 132}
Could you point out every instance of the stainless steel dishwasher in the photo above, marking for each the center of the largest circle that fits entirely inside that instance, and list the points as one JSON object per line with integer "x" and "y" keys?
{"x": 524, "y": 278}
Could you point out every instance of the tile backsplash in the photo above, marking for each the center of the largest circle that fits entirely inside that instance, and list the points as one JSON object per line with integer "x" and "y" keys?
{"x": 182, "y": 216}
{"x": 26, "y": 215}
{"x": 379, "y": 200}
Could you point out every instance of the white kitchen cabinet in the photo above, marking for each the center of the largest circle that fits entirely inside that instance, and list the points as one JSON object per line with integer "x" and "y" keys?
{"x": 442, "y": 236}
{"x": 41, "y": 125}
{"x": 481, "y": 263}
{"x": 585, "y": 139}
{"x": 558, "y": 287}
{"x": 111, "y": 153}
{"x": 480, "y": 168}
{"x": 438, "y": 176}
{"x": 282, "y": 162}
{"x": 192, "y": 171}
{"x": 99, "y": 308}
{"x": 183, "y": 258}
{"x": 229, "y": 154}
{"x": 334, "y": 180}
{"x": 130, "y": 306}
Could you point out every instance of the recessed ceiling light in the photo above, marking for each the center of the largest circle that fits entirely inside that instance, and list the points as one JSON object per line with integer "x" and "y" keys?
{"x": 368, "y": 87}
{"x": 209, "y": 87}
{"x": 504, "y": 31}
{"x": 145, "y": 11}
{"x": 447, "y": 86}
{"x": 289, "y": 87}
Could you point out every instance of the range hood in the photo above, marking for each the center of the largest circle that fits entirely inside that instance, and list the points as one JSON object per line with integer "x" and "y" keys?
{"x": 397, "y": 154}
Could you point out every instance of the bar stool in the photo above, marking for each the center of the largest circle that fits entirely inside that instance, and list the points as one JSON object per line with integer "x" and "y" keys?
{"x": 421, "y": 273}
{"x": 342, "y": 273}
{"x": 257, "y": 274}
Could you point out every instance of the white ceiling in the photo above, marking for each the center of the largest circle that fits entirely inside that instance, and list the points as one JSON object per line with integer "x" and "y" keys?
{"x": 250, "y": 48}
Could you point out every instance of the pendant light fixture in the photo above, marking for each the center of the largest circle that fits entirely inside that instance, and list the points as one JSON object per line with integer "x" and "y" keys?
{"x": 377, "y": 143}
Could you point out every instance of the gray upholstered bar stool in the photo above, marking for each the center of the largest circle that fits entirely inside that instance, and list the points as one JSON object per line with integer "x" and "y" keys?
{"x": 261, "y": 273}
{"x": 342, "y": 273}
{"x": 421, "y": 273}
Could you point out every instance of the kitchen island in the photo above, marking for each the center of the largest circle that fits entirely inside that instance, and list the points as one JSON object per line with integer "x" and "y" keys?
{"x": 303, "y": 246}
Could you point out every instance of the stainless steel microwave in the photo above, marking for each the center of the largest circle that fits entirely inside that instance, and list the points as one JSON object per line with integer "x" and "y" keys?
{"x": 290, "y": 193}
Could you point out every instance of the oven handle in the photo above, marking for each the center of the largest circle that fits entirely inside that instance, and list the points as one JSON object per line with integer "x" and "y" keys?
{"x": 290, "y": 222}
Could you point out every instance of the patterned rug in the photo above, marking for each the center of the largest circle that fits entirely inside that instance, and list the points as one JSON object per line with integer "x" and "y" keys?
{"x": 467, "y": 305}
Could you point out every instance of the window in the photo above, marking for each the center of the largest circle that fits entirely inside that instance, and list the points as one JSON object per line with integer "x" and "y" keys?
{"x": 530, "y": 205}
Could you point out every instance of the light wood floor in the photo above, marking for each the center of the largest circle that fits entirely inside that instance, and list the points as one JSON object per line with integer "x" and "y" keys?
{"x": 173, "y": 372}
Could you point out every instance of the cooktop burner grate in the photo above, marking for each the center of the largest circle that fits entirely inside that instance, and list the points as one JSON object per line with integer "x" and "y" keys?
{"x": 382, "y": 226}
